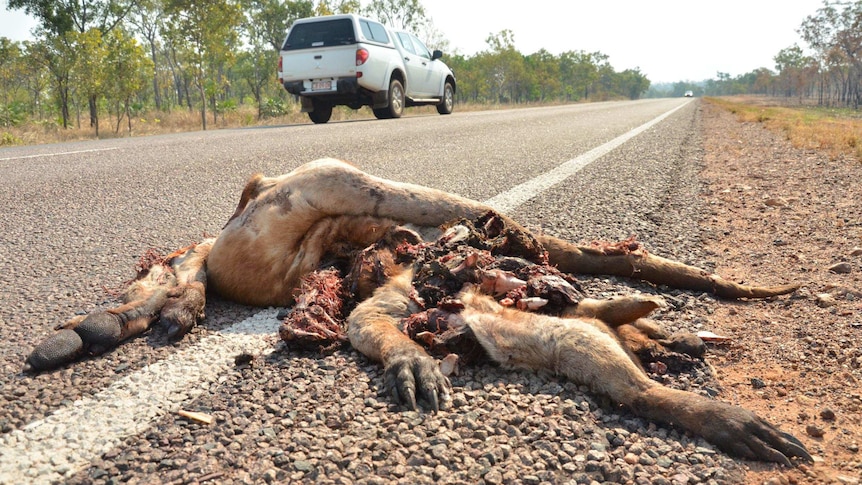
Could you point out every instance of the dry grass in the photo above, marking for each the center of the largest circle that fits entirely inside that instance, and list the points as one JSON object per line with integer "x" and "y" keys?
{"x": 835, "y": 131}
{"x": 182, "y": 120}
{"x": 154, "y": 123}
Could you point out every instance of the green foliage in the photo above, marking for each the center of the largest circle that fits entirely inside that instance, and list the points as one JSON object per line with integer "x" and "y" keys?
{"x": 8, "y": 139}
{"x": 12, "y": 114}
{"x": 400, "y": 14}
{"x": 218, "y": 54}
{"x": 274, "y": 107}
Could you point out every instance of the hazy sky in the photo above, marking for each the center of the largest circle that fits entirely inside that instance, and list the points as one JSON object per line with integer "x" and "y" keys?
{"x": 669, "y": 40}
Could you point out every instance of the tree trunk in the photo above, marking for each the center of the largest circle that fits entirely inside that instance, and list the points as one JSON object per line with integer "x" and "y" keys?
{"x": 94, "y": 115}
{"x": 203, "y": 106}
{"x": 157, "y": 96}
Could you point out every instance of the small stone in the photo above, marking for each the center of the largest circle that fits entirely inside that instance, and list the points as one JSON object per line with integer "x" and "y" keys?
{"x": 777, "y": 480}
{"x": 815, "y": 431}
{"x": 775, "y": 202}
{"x": 841, "y": 268}
{"x": 646, "y": 460}
{"x": 856, "y": 252}
{"x": 827, "y": 414}
{"x": 679, "y": 479}
{"x": 595, "y": 455}
{"x": 757, "y": 383}
{"x": 825, "y": 300}
{"x": 630, "y": 458}
{"x": 493, "y": 477}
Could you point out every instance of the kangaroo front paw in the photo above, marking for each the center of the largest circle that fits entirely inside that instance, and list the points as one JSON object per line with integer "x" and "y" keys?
{"x": 183, "y": 310}
{"x": 685, "y": 343}
{"x": 416, "y": 377}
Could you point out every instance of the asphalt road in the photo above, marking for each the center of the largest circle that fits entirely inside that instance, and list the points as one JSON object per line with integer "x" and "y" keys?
{"x": 78, "y": 216}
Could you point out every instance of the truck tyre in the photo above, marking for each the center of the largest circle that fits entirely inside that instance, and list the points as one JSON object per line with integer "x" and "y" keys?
{"x": 381, "y": 113}
{"x": 396, "y": 99}
{"x": 447, "y": 104}
{"x": 321, "y": 113}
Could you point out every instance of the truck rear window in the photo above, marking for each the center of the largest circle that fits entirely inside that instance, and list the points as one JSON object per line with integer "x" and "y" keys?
{"x": 320, "y": 34}
{"x": 374, "y": 31}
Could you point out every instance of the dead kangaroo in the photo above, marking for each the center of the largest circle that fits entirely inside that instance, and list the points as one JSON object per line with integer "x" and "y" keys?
{"x": 285, "y": 226}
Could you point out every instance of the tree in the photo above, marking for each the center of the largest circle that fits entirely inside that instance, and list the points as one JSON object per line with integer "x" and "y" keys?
{"x": 505, "y": 67}
{"x": 266, "y": 21}
{"x": 835, "y": 34}
{"x": 790, "y": 63}
{"x": 128, "y": 69}
{"x": 331, "y": 7}
{"x": 89, "y": 70}
{"x": 11, "y": 72}
{"x": 56, "y": 56}
{"x": 206, "y": 35}
{"x": 400, "y": 14}
{"x": 633, "y": 83}
{"x": 58, "y": 17}
{"x": 147, "y": 17}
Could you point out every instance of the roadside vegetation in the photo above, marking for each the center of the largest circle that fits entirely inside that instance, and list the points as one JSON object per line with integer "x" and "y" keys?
{"x": 112, "y": 68}
{"x": 825, "y": 71}
{"x": 837, "y": 131}
{"x": 107, "y": 68}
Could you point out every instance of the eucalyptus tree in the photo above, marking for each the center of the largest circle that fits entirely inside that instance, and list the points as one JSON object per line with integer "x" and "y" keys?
{"x": 11, "y": 73}
{"x": 400, "y": 14}
{"x": 88, "y": 73}
{"x": 265, "y": 24}
{"x": 835, "y": 35}
{"x": 128, "y": 70}
{"x": 147, "y": 16}
{"x": 204, "y": 36}
{"x": 58, "y": 17}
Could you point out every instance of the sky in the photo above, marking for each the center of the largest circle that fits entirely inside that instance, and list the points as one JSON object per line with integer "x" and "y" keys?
{"x": 668, "y": 40}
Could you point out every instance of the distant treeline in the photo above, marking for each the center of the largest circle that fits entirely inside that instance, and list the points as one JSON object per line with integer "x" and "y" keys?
{"x": 123, "y": 57}
{"x": 113, "y": 59}
{"x": 828, "y": 72}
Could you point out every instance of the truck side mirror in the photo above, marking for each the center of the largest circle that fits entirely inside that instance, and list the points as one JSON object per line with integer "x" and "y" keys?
{"x": 437, "y": 54}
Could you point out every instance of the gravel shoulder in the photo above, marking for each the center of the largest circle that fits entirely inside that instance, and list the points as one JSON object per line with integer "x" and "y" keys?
{"x": 779, "y": 214}
{"x": 732, "y": 197}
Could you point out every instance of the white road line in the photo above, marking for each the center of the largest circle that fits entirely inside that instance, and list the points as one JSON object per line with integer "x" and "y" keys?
{"x": 59, "y": 154}
{"x": 514, "y": 197}
{"x": 72, "y": 437}
{"x": 58, "y": 446}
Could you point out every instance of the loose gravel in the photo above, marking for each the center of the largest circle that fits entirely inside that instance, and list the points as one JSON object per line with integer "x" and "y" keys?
{"x": 289, "y": 416}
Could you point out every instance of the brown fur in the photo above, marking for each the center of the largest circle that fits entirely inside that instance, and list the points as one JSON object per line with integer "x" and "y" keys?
{"x": 583, "y": 349}
{"x": 284, "y": 226}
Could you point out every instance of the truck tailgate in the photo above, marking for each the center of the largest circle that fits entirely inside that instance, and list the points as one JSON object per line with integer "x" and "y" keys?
{"x": 322, "y": 63}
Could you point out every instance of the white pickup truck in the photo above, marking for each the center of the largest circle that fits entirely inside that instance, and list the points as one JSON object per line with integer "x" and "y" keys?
{"x": 354, "y": 61}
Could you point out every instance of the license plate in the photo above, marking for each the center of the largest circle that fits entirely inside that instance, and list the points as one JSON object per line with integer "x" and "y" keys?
{"x": 321, "y": 85}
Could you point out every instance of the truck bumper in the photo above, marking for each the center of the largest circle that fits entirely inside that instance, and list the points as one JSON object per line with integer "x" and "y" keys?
{"x": 347, "y": 92}
{"x": 343, "y": 86}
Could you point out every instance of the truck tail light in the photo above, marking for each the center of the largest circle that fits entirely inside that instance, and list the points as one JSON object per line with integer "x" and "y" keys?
{"x": 361, "y": 56}
{"x": 280, "y": 70}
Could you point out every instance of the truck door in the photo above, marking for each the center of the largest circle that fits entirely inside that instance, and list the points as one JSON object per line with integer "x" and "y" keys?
{"x": 423, "y": 81}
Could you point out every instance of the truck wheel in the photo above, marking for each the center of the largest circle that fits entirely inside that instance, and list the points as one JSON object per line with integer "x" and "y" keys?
{"x": 381, "y": 113}
{"x": 396, "y": 99}
{"x": 322, "y": 112}
{"x": 447, "y": 104}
